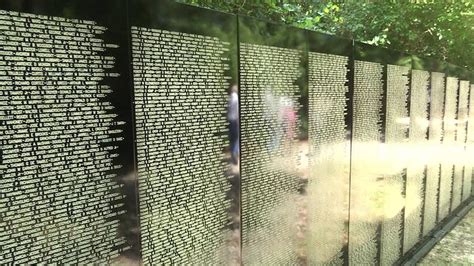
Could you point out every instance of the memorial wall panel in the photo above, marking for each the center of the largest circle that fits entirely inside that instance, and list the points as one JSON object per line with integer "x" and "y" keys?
{"x": 273, "y": 142}
{"x": 329, "y": 149}
{"x": 151, "y": 132}
{"x": 418, "y": 158}
{"x": 395, "y": 161}
{"x": 462, "y": 182}
{"x": 435, "y": 137}
{"x": 461, "y": 156}
{"x": 66, "y": 133}
{"x": 379, "y": 146}
{"x": 182, "y": 70}
{"x": 367, "y": 135}
{"x": 469, "y": 164}
{"x": 448, "y": 147}
{"x": 432, "y": 153}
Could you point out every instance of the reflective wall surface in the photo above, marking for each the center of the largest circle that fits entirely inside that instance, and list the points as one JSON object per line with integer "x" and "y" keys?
{"x": 140, "y": 131}
{"x": 329, "y": 135}
{"x": 271, "y": 91}
{"x": 417, "y": 165}
{"x": 182, "y": 72}
{"x": 367, "y": 134}
{"x": 66, "y": 133}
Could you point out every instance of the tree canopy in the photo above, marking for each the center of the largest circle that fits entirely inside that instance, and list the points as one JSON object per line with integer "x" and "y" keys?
{"x": 435, "y": 28}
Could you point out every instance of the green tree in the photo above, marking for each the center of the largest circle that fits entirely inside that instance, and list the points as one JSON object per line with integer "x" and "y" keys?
{"x": 442, "y": 29}
{"x": 437, "y": 28}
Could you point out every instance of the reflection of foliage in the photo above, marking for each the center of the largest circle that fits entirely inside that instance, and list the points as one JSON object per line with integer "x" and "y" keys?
{"x": 443, "y": 29}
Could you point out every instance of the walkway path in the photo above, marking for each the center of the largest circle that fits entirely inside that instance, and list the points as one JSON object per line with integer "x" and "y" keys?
{"x": 457, "y": 247}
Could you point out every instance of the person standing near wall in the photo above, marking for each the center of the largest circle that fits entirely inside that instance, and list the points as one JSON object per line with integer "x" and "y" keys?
{"x": 233, "y": 117}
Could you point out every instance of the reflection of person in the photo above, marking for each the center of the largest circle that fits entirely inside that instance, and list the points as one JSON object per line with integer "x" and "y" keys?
{"x": 280, "y": 116}
{"x": 272, "y": 116}
{"x": 233, "y": 117}
{"x": 289, "y": 118}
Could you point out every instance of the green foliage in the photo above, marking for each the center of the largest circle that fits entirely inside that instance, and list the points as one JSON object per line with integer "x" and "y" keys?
{"x": 437, "y": 28}
{"x": 442, "y": 29}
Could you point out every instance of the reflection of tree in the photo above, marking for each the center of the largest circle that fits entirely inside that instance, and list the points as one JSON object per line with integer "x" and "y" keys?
{"x": 429, "y": 28}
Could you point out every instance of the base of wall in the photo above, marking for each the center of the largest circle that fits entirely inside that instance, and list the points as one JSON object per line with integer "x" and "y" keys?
{"x": 425, "y": 245}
